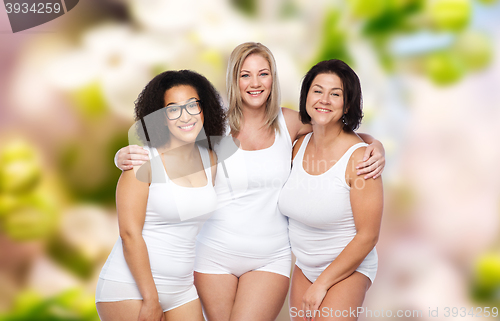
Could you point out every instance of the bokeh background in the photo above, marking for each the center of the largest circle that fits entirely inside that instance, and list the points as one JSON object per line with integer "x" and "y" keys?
{"x": 430, "y": 73}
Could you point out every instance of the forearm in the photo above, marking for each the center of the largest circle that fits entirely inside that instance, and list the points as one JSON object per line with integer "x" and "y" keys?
{"x": 347, "y": 261}
{"x": 137, "y": 258}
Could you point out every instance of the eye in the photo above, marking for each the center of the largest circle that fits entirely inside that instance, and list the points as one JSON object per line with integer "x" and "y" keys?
{"x": 335, "y": 94}
{"x": 192, "y": 105}
{"x": 317, "y": 91}
{"x": 264, "y": 74}
{"x": 173, "y": 109}
{"x": 245, "y": 75}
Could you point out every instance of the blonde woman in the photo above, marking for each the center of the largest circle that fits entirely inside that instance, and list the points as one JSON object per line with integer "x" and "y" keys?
{"x": 243, "y": 257}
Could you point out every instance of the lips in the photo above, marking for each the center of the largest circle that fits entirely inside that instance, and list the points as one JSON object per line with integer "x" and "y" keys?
{"x": 255, "y": 93}
{"x": 323, "y": 110}
{"x": 187, "y": 127}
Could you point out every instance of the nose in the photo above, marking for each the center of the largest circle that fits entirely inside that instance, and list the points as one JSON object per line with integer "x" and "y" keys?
{"x": 325, "y": 98}
{"x": 254, "y": 81}
{"x": 185, "y": 116}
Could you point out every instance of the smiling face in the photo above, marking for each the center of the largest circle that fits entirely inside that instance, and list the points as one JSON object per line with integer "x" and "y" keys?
{"x": 325, "y": 99}
{"x": 186, "y": 128}
{"x": 255, "y": 81}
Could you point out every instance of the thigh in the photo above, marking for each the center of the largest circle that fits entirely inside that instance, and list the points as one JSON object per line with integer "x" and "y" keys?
{"x": 127, "y": 310}
{"x": 299, "y": 286}
{"x": 190, "y": 311}
{"x": 344, "y": 298}
{"x": 217, "y": 293}
{"x": 340, "y": 301}
{"x": 260, "y": 296}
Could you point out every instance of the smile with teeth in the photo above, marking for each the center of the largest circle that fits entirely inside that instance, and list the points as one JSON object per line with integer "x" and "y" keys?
{"x": 255, "y": 93}
{"x": 187, "y": 127}
{"x": 323, "y": 110}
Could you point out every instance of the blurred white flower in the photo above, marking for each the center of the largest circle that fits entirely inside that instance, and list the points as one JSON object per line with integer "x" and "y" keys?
{"x": 115, "y": 56}
{"x": 90, "y": 229}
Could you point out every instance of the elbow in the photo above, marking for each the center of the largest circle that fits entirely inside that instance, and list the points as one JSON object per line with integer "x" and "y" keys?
{"x": 370, "y": 239}
{"x": 128, "y": 237}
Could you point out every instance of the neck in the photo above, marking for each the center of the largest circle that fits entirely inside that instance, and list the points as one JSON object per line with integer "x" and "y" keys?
{"x": 254, "y": 117}
{"x": 179, "y": 149}
{"x": 326, "y": 136}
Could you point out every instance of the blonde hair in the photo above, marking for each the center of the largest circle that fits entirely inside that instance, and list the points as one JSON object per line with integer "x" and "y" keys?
{"x": 235, "y": 114}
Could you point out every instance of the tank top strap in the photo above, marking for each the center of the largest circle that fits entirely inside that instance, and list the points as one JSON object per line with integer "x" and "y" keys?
{"x": 205, "y": 159}
{"x": 300, "y": 154}
{"x": 158, "y": 174}
{"x": 283, "y": 134}
{"x": 342, "y": 162}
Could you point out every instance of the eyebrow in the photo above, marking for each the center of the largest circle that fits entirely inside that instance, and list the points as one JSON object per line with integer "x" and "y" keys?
{"x": 259, "y": 70}
{"x": 181, "y": 104}
{"x": 335, "y": 88}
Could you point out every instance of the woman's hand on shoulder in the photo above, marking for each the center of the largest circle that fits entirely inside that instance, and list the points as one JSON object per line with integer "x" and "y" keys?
{"x": 295, "y": 127}
{"x": 373, "y": 162}
{"x": 130, "y": 156}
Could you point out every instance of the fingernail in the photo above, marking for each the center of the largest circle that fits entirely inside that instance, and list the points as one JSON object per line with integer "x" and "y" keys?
{"x": 357, "y": 167}
{"x": 358, "y": 173}
{"x": 365, "y": 158}
{"x": 366, "y": 177}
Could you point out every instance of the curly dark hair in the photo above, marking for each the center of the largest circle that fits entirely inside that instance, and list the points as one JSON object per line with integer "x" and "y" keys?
{"x": 352, "y": 91}
{"x": 152, "y": 99}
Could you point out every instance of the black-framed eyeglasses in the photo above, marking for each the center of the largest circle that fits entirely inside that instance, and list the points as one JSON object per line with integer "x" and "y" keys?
{"x": 175, "y": 111}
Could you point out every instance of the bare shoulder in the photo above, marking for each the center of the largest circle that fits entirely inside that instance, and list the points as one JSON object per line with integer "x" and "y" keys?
{"x": 142, "y": 173}
{"x": 291, "y": 117}
{"x": 354, "y": 160}
{"x": 287, "y": 112}
{"x": 351, "y": 170}
{"x": 297, "y": 145}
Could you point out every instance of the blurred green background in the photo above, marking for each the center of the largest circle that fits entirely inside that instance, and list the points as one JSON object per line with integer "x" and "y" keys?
{"x": 430, "y": 73}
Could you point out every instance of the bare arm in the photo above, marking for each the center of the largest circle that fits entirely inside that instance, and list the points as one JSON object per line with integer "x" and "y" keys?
{"x": 131, "y": 200}
{"x": 367, "y": 204}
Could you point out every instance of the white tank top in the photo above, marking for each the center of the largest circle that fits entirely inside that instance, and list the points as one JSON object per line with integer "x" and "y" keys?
{"x": 319, "y": 212}
{"x": 247, "y": 221}
{"x": 174, "y": 215}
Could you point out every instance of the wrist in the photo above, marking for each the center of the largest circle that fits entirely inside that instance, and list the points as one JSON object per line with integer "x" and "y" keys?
{"x": 150, "y": 298}
{"x": 322, "y": 285}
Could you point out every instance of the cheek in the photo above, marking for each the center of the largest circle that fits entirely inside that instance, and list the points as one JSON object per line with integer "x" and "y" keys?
{"x": 241, "y": 85}
{"x": 170, "y": 125}
{"x": 309, "y": 102}
{"x": 269, "y": 82}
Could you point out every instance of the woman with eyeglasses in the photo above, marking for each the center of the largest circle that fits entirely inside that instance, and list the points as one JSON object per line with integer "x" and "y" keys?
{"x": 149, "y": 273}
{"x": 243, "y": 257}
